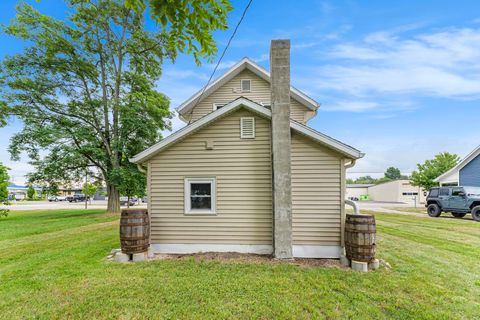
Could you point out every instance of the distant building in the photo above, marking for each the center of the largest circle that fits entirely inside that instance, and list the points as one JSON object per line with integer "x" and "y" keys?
{"x": 18, "y": 192}
{"x": 400, "y": 191}
{"x": 397, "y": 191}
{"x": 69, "y": 190}
{"x": 354, "y": 191}
{"x": 465, "y": 173}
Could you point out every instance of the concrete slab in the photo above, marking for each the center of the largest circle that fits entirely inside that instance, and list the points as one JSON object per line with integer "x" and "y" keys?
{"x": 122, "y": 257}
{"x": 138, "y": 257}
{"x": 359, "y": 266}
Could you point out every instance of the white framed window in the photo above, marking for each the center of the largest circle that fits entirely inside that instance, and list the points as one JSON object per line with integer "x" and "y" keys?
{"x": 247, "y": 127}
{"x": 217, "y": 106}
{"x": 200, "y": 195}
{"x": 245, "y": 85}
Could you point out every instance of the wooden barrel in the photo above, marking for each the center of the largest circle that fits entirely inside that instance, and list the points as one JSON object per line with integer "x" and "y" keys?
{"x": 134, "y": 231}
{"x": 360, "y": 234}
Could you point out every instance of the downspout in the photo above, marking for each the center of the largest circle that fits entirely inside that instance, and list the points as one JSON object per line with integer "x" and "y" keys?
{"x": 356, "y": 208}
{"x": 141, "y": 168}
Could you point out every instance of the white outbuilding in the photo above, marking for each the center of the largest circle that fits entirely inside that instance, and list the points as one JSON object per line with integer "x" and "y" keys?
{"x": 397, "y": 191}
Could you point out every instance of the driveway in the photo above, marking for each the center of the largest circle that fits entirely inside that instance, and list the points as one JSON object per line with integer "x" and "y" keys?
{"x": 42, "y": 205}
{"x": 388, "y": 207}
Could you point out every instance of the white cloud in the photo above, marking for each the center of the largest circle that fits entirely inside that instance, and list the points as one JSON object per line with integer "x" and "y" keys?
{"x": 439, "y": 64}
{"x": 353, "y": 106}
{"x": 175, "y": 73}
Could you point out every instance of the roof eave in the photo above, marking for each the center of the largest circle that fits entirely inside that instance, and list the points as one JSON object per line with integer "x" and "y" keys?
{"x": 249, "y": 64}
{"x": 330, "y": 142}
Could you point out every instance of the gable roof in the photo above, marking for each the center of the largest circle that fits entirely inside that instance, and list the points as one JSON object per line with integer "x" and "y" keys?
{"x": 243, "y": 64}
{"x": 319, "y": 137}
{"x": 452, "y": 175}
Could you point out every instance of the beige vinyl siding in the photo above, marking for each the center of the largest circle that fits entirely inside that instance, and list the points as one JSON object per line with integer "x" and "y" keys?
{"x": 316, "y": 193}
{"x": 242, "y": 168}
{"x": 260, "y": 93}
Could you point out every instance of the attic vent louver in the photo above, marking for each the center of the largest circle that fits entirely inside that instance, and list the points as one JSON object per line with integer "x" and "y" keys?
{"x": 247, "y": 128}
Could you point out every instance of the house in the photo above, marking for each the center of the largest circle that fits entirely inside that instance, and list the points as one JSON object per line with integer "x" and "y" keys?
{"x": 465, "y": 173}
{"x": 247, "y": 174}
{"x": 397, "y": 191}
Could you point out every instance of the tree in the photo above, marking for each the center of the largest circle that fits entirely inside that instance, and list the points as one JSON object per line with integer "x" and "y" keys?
{"x": 365, "y": 180}
{"x": 89, "y": 190}
{"x": 85, "y": 88}
{"x": 190, "y": 23}
{"x": 382, "y": 180}
{"x": 431, "y": 169}
{"x": 52, "y": 189}
{"x": 133, "y": 183}
{"x": 3, "y": 189}
{"x": 30, "y": 192}
{"x": 393, "y": 173}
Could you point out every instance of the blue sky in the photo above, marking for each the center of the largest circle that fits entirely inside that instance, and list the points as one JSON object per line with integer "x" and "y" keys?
{"x": 399, "y": 81}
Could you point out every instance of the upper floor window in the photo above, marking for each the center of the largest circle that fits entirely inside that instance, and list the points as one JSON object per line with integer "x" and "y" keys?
{"x": 266, "y": 105}
{"x": 218, "y": 106}
{"x": 245, "y": 85}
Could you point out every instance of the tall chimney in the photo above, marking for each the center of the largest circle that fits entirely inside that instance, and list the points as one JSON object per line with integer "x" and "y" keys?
{"x": 282, "y": 188}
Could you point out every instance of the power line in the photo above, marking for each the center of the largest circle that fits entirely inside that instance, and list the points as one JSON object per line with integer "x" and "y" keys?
{"x": 221, "y": 56}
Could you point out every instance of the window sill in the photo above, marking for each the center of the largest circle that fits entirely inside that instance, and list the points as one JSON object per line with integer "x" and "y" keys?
{"x": 199, "y": 213}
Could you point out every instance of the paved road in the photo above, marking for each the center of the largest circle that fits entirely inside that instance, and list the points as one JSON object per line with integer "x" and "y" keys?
{"x": 45, "y": 205}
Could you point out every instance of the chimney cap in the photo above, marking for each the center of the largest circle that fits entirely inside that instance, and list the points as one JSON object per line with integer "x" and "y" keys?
{"x": 280, "y": 44}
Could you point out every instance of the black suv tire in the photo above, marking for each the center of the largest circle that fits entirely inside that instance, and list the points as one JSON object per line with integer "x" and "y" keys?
{"x": 458, "y": 214}
{"x": 476, "y": 213}
{"x": 434, "y": 210}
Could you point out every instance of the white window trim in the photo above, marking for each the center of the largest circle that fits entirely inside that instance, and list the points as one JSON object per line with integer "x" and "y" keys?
{"x": 241, "y": 85}
{"x": 242, "y": 135}
{"x": 186, "y": 192}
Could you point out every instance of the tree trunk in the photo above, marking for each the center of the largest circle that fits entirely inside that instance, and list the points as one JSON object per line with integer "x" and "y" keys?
{"x": 128, "y": 202}
{"x": 113, "y": 205}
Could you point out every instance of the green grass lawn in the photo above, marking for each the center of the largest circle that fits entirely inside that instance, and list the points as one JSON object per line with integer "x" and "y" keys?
{"x": 52, "y": 265}
{"x": 412, "y": 209}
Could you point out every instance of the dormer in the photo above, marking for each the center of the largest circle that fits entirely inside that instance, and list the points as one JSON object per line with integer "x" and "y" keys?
{"x": 245, "y": 79}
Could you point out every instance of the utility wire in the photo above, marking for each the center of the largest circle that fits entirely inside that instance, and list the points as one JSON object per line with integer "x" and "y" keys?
{"x": 221, "y": 57}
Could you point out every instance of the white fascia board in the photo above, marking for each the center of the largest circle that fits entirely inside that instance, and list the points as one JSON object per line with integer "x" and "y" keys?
{"x": 236, "y": 68}
{"x": 245, "y": 63}
{"x": 142, "y": 156}
{"x": 326, "y": 140}
{"x": 455, "y": 170}
{"x": 315, "y": 135}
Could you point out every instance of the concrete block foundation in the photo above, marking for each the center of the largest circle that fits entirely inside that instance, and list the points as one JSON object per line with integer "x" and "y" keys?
{"x": 138, "y": 257}
{"x": 359, "y": 266}
{"x": 122, "y": 257}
